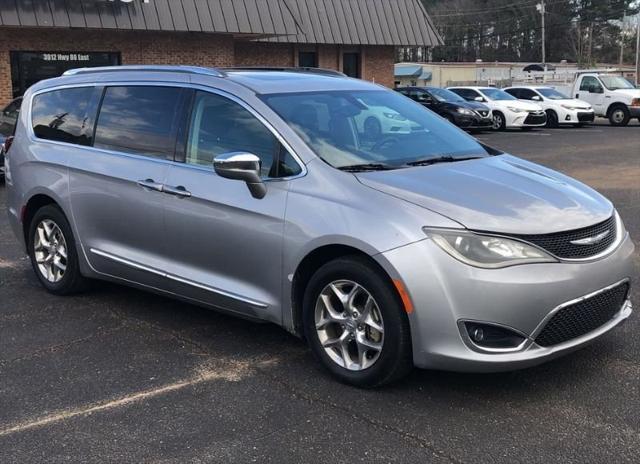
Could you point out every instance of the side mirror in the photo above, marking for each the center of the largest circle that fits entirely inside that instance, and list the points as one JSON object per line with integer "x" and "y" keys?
{"x": 242, "y": 166}
{"x": 479, "y": 99}
{"x": 536, "y": 98}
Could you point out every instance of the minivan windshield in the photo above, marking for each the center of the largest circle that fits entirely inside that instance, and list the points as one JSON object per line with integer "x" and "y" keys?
{"x": 376, "y": 128}
{"x": 552, "y": 94}
{"x": 444, "y": 95}
{"x": 497, "y": 94}
{"x": 616, "y": 82}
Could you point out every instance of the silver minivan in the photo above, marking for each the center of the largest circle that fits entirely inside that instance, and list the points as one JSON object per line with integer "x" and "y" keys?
{"x": 340, "y": 210}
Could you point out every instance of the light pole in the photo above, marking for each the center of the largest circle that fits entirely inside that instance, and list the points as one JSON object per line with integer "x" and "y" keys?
{"x": 541, "y": 8}
{"x": 638, "y": 51}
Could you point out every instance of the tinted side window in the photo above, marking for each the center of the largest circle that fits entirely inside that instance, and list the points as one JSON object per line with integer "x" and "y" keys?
{"x": 527, "y": 94}
{"x": 588, "y": 82}
{"x": 514, "y": 92}
{"x": 61, "y": 115}
{"x": 140, "y": 120}
{"x": 467, "y": 94}
{"x": 219, "y": 125}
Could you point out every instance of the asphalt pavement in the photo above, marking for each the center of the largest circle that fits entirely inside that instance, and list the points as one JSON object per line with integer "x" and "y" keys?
{"x": 118, "y": 375}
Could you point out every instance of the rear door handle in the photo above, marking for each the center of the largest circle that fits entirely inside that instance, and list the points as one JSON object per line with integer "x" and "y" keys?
{"x": 179, "y": 191}
{"x": 151, "y": 185}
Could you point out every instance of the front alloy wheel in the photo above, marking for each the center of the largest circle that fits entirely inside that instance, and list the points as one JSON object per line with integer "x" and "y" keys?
{"x": 355, "y": 322}
{"x": 498, "y": 122}
{"x": 349, "y": 325}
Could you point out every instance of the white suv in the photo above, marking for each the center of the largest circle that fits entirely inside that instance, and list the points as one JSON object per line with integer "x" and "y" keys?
{"x": 560, "y": 109}
{"x": 508, "y": 111}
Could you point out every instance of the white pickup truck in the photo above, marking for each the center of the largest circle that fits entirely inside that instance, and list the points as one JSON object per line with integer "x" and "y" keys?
{"x": 611, "y": 95}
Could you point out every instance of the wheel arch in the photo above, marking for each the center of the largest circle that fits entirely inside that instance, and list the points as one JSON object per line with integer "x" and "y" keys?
{"x": 312, "y": 261}
{"x": 35, "y": 202}
{"x": 615, "y": 105}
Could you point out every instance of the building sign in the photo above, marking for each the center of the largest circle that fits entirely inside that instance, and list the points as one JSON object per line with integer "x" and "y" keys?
{"x": 66, "y": 57}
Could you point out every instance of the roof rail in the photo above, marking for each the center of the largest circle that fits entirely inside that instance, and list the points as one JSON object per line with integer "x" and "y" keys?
{"x": 323, "y": 71}
{"x": 149, "y": 68}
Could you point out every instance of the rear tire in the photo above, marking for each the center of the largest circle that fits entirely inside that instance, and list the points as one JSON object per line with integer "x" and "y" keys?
{"x": 619, "y": 116}
{"x": 52, "y": 249}
{"x": 340, "y": 329}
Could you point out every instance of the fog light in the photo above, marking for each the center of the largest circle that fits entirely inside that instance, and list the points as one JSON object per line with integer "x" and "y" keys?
{"x": 493, "y": 336}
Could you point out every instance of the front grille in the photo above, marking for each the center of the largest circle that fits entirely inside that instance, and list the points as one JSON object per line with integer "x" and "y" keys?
{"x": 559, "y": 244}
{"x": 482, "y": 113}
{"x": 583, "y": 317}
{"x": 534, "y": 118}
{"x": 586, "y": 117}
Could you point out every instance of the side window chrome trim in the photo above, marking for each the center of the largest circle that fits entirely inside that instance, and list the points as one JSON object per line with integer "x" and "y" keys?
{"x": 204, "y": 88}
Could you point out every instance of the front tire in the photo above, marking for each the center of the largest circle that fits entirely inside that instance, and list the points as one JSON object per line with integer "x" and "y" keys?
{"x": 53, "y": 253}
{"x": 355, "y": 323}
{"x": 552, "y": 119}
{"x": 619, "y": 116}
{"x": 499, "y": 122}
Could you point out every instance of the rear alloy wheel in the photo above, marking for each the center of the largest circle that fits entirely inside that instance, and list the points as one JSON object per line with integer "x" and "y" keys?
{"x": 499, "y": 123}
{"x": 355, "y": 323}
{"x": 619, "y": 116}
{"x": 53, "y": 252}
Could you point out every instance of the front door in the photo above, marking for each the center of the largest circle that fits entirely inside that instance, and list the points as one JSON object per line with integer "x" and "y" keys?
{"x": 115, "y": 188}
{"x": 225, "y": 246}
{"x": 592, "y": 91}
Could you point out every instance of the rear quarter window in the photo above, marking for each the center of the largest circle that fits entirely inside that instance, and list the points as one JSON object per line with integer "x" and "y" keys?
{"x": 61, "y": 115}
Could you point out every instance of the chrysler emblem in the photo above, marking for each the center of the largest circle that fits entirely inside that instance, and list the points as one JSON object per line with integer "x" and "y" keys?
{"x": 591, "y": 240}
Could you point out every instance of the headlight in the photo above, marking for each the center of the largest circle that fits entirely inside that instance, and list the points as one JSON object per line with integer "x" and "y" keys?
{"x": 465, "y": 111}
{"x": 395, "y": 116}
{"x": 516, "y": 110}
{"x": 569, "y": 107}
{"x": 487, "y": 251}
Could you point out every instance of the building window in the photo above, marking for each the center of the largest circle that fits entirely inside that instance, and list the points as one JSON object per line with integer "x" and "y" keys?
{"x": 308, "y": 59}
{"x": 28, "y": 68}
{"x": 351, "y": 64}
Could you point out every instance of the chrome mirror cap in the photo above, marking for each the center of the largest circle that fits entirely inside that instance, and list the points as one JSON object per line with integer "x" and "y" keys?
{"x": 242, "y": 166}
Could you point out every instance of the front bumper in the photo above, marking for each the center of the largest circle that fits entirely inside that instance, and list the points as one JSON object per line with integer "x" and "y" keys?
{"x": 445, "y": 292}
{"x": 524, "y": 119}
{"x": 473, "y": 122}
{"x": 634, "y": 111}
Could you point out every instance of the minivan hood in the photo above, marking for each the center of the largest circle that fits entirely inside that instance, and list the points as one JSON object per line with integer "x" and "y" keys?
{"x": 501, "y": 194}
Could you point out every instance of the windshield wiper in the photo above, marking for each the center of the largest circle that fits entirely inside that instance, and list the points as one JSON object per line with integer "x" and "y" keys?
{"x": 366, "y": 167}
{"x": 441, "y": 159}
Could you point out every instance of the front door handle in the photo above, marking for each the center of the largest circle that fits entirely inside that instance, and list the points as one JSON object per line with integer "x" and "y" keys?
{"x": 179, "y": 191}
{"x": 151, "y": 185}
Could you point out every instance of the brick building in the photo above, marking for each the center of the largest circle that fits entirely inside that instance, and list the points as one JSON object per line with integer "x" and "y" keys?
{"x": 43, "y": 38}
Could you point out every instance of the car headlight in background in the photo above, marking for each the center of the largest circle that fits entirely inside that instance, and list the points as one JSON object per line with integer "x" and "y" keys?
{"x": 395, "y": 116}
{"x": 487, "y": 251}
{"x": 516, "y": 110}
{"x": 465, "y": 111}
{"x": 635, "y": 102}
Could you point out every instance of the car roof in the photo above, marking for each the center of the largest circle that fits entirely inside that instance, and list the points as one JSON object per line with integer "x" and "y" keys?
{"x": 259, "y": 80}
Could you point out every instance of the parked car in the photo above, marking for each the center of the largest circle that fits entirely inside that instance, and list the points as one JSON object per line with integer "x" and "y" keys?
{"x": 508, "y": 111}
{"x": 612, "y": 96}
{"x": 258, "y": 196}
{"x": 560, "y": 109}
{"x": 8, "y": 119}
{"x": 469, "y": 115}
{"x": 379, "y": 121}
